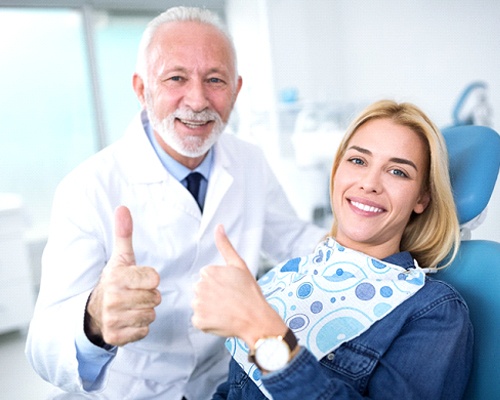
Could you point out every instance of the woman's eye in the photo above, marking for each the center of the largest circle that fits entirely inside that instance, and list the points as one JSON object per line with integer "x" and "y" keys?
{"x": 357, "y": 161}
{"x": 400, "y": 173}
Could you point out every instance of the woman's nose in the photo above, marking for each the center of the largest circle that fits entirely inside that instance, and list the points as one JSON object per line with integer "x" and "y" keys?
{"x": 371, "y": 182}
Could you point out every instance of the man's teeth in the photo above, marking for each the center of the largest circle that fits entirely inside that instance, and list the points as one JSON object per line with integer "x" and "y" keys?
{"x": 364, "y": 207}
{"x": 194, "y": 124}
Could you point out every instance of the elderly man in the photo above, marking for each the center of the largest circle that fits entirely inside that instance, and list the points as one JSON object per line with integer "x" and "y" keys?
{"x": 133, "y": 225}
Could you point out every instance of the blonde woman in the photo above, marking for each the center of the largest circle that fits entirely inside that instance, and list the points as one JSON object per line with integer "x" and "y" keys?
{"x": 358, "y": 318}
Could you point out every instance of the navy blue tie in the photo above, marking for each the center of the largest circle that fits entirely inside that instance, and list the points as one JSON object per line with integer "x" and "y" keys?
{"x": 193, "y": 185}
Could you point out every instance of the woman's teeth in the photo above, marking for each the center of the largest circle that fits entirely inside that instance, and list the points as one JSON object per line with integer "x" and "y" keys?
{"x": 364, "y": 207}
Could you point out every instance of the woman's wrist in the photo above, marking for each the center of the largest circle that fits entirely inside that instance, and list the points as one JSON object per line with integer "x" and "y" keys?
{"x": 267, "y": 325}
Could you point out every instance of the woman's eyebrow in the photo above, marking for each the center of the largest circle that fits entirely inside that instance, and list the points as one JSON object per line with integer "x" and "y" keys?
{"x": 393, "y": 159}
{"x": 404, "y": 161}
{"x": 360, "y": 149}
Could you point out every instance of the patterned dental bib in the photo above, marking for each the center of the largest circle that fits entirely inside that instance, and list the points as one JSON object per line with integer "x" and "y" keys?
{"x": 330, "y": 297}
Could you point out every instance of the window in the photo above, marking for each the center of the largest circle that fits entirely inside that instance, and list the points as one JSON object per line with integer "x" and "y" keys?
{"x": 46, "y": 109}
{"x": 117, "y": 40}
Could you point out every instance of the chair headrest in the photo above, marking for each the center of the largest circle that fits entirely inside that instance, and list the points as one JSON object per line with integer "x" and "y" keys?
{"x": 474, "y": 153}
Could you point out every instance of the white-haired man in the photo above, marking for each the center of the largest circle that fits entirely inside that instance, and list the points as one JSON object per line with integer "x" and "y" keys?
{"x": 113, "y": 318}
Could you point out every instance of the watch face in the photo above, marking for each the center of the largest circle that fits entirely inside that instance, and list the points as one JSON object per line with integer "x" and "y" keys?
{"x": 272, "y": 354}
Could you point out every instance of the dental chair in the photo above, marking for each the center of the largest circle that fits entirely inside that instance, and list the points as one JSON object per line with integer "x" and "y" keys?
{"x": 474, "y": 165}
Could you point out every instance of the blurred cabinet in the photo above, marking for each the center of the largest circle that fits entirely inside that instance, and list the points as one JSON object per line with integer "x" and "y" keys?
{"x": 16, "y": 286}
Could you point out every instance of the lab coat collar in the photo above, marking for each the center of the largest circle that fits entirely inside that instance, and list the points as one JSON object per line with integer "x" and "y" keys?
{"x": 140, "y": 162}
{"x": 142, "y": 166}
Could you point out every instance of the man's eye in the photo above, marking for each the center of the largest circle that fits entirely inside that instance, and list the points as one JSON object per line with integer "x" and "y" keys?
{"x": 175, "y": 78}
{"x": 215, "y": 80}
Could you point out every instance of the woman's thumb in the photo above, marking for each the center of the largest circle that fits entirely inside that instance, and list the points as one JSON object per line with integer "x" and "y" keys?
{"x": 226, "y": 249}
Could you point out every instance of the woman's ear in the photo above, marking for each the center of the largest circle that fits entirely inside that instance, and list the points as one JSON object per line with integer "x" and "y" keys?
{"x": 422, "y": 202}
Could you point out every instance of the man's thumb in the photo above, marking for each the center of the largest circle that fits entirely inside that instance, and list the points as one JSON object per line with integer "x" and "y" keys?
{"x": 123, "y": 250}
{"x": 226, "y": 249}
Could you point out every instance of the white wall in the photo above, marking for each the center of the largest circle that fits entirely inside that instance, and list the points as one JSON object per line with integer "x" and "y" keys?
{"x": 422, "y": 51}
{"x": 425, "y": 51}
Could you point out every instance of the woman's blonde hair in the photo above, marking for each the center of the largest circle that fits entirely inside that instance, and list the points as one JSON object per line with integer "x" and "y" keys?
{"x": 433, "y": 235}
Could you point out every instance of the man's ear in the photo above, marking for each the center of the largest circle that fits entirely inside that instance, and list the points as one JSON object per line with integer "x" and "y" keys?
{"x": 239, "y": 83}
{"x": 138, "y": 85}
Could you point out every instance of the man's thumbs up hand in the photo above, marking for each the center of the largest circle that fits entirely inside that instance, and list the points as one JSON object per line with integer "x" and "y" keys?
{"x": 121, "y": 306}
{"x": 123, "y": 252}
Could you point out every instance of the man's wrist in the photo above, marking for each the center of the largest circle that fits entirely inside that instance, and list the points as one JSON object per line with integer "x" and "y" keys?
{"x": 92, "y": 336}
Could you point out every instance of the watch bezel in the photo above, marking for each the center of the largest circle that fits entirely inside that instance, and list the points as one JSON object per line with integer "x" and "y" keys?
{"x": 288, "y": 342}
{"x": 272, "y": 354}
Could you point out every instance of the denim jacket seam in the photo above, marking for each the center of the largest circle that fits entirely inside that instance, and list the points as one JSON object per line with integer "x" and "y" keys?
{"x": 451, "y": 297}
{"x": 454, "y": 292}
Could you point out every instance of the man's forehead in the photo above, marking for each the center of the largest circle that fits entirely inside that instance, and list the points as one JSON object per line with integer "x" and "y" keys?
{"x": 186, "y": 44}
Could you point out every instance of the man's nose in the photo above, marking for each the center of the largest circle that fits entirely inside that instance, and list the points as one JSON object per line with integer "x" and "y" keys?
{"x": 196, "y": 96}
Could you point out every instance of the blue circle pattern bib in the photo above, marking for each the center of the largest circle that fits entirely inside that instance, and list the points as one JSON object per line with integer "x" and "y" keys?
{"x": 330, "y": 297}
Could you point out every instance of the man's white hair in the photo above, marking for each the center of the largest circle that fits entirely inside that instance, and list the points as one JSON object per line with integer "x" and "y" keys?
{"x": 178, "y": 14}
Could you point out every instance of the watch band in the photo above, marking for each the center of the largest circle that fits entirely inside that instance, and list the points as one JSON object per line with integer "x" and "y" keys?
{"x": 290, "y": 340}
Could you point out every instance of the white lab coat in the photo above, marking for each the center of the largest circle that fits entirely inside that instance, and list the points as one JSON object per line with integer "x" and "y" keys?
{"x": 170, "y": 234}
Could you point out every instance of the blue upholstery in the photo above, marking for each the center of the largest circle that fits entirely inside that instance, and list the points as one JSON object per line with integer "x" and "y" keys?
{"x": 476, "y": 275}
{"x": 474, "y": 165}
{"x": 474, "y": 161}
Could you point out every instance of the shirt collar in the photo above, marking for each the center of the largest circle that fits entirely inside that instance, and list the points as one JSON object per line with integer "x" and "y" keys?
{"x": 403, "y": 259}
{"x": 176, "y": 169}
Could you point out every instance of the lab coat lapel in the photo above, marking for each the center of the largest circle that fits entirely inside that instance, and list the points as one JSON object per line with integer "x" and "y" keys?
{"x": 218, "y": 185}
{"x": 139, "y": 158}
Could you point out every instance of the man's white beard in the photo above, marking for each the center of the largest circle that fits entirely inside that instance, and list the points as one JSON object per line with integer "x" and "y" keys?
{"x": 192, "y": 145}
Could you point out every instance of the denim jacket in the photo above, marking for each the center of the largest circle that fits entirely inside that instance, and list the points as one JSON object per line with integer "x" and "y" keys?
{"x": 421, "y": 350}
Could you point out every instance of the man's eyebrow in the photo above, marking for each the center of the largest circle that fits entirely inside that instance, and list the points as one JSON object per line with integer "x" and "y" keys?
{"x": 175, "y": 68}
{"x": 393, "y": 159}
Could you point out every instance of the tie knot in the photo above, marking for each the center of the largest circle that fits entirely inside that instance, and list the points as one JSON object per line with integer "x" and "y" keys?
{"x": 194, "y": 177}
{"x": 193, "y": 185}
